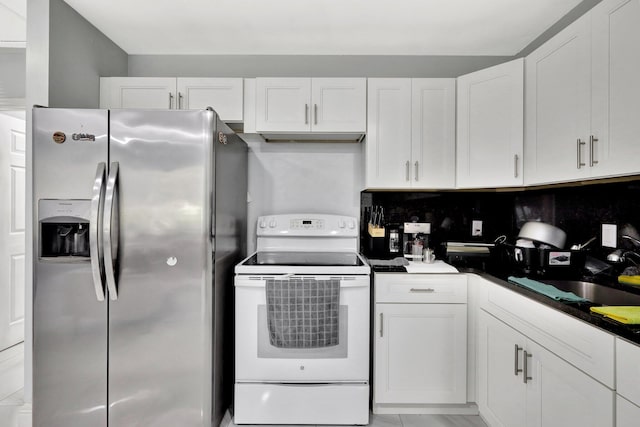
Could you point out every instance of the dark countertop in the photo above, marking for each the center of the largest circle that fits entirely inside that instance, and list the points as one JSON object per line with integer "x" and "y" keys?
{"x": 578, "y": 310}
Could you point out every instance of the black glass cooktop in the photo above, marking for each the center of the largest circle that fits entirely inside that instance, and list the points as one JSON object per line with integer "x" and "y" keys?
{"x": 337, "y": 259}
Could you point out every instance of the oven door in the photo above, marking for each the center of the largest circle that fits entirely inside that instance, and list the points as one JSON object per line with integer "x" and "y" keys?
{"x": 261, "y": 359}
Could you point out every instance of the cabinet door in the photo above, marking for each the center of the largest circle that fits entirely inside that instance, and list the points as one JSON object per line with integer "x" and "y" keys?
{"x": 490, "y": 126}
{"x": 557, "y": 109}
{"x": 138, "y": 92}
{"x": 388, "y": 145}
{"x": 339, "y": 105}
{"x": 420, "y": 353}
{"x": 283, "y": 105}
{"x": 222, "y": 94}
{"x": 433, "y": 131}
{"x": 501, "y": 390}
{"x": 616, "y": 91}
{"x": 627, "y": 414}
{"x": 558, "y": 394}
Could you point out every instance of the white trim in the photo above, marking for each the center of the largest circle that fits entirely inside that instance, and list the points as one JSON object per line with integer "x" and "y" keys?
{"x": 11, "y": 370}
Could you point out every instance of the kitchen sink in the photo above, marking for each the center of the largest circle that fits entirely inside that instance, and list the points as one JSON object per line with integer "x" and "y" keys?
{"x": 597, "y": 294}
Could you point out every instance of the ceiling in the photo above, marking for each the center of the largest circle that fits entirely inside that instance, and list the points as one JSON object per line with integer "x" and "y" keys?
{"x": 13, "y": 23}
{"x": 322, "y": 27}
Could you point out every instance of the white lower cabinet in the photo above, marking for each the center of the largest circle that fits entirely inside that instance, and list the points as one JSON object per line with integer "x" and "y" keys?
{"x": 420, "y": 340}
{"x": 627, "y": 414}
{"x": 522, "y": 384}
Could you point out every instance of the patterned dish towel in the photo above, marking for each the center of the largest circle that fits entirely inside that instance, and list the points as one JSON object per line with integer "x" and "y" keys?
{"x": 303, "y": 313}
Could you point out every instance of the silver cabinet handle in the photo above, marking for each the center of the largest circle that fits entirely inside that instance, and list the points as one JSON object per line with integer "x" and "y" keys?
{"x": 525, "y": 373}
{"x": 179, "y": 100}
{"x": 515, "y": 165}
{"x": 306, "y": 114}
{"x": 170, "y": 100}
{"x": 416, "y": 168}
{"x": 408, "y": 165}
{"x": 516, "y": 367}
{"x": 592, "y": 142}
{"x": 381, "y": 322}
{"x": 315, "y": 114}
{"x": 111, "y": 223}
{"x": 579, "y": 144}
{"x": 95, "y": 232}
{"x": 427, "y": 290}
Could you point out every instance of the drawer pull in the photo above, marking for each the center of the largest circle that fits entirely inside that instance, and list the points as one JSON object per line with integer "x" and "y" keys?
{"x": 428, "y": 290}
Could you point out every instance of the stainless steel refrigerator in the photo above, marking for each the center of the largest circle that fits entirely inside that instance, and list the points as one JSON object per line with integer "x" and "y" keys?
{"x": 139, "y": 218}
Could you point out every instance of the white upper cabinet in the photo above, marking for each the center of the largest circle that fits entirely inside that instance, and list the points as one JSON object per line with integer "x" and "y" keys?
{"x": 410, "y": 133}
{"x": 615, "y": 87}
{"x": 224, "y": 95}
{"x": 557, "y": 111}
{"x": 138, "y": 92}
{"x": 328, "y": 105}
{"x": 433, "y": 132}
{"x": 583, "y": 98}
{"x": 490, "y": 127}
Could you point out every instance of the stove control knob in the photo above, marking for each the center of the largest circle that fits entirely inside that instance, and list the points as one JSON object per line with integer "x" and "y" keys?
{"x": 262, "y": 224}
{"x": 352, "y": 224}
{"x": 341, "y": 224}
{"x": 273, "y": 223}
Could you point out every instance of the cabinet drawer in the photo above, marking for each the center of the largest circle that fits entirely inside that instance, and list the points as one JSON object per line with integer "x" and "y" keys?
{"x": 628, "y": 370}
{"x": 420, "y": 288}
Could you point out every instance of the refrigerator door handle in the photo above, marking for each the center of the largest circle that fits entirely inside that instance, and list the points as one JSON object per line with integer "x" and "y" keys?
{"x": 95, "y": 232}
{"x": 110, "y": 224}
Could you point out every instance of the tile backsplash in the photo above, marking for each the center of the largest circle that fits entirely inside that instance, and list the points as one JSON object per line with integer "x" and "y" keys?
{"x": 578, "y": 210}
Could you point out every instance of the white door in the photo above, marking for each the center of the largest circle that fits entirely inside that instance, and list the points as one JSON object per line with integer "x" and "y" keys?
{"x": 560, "y": 395}
{"x": 420, "y": 353}
{"x": 616, "y": 88}
{"x": 339, "y": 105}
{"x": 12, "y": 229}
{"x": 283, "y": 105}
{"x": 388, "y": 144}
{"x": 490, "y": 127}
{"x": 433, "y": 133}
{"x": 501, "y": 390}
{"x": 224, "y": 95}
{"x": 557, "y": 108}
{"x": 138, "y": 92}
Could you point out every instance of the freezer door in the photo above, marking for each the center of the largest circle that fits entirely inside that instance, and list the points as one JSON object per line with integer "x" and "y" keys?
{"x": 160, "y": 324}
{"x": 69, "y": 321}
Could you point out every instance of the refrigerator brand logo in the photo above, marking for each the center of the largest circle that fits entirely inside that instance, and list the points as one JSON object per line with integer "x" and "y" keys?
{"x": 59, "y": 137}
{"x": 83, "y": 137}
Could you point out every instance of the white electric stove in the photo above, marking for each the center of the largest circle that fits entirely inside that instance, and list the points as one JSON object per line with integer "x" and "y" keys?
{"x": 302, "y": 324}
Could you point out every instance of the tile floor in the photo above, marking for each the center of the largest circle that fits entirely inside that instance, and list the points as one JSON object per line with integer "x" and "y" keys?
{"x": 415, "y": 421}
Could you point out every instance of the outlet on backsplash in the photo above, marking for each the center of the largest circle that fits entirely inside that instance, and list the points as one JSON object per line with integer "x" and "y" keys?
{"x": 476, "y": 228}
{"x": 609, "y": 235}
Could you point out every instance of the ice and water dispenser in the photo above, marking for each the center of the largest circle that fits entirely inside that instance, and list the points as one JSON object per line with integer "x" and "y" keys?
{"x": 64, "y": 228}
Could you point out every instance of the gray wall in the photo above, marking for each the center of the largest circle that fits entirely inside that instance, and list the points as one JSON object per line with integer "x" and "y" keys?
{"x": 13, "y": 68}
{"x": 79, "y": 54}
{"x": 307, "y": 65}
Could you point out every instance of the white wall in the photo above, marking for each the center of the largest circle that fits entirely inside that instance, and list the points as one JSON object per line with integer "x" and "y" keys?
{"x": 12, "y": 78}
{"x": 303, "y": 177}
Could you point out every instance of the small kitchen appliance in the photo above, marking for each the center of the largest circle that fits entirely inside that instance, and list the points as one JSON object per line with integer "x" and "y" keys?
{"x": 302, "y": 324}
{"x": 138, "y": 223}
